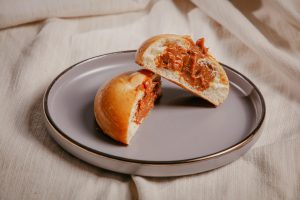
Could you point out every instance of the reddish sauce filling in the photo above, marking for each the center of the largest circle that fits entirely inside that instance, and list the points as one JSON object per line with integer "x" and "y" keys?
{"x": 152, "y": 91}
{"x": 184, "y": 61}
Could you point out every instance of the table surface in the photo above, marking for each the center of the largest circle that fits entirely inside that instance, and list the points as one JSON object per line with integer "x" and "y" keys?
{"x": 38, "y": 40}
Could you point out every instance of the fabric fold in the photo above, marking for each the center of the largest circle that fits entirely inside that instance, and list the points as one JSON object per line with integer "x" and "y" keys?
{"x": 16, "y": 12}
{"x": 259, "y": 39}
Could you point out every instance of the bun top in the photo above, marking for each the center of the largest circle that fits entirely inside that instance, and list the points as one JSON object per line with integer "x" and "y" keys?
{"x": 114, "y": 102}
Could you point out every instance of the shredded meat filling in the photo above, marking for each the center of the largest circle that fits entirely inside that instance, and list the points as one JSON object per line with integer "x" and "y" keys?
{"x": 152, "y": 89}
{"x": 189, "y": 63}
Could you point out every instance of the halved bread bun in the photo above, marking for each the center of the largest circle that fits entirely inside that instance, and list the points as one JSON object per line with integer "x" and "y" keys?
{"x": 122, "y": 104}
{"x": 188, "y": 64}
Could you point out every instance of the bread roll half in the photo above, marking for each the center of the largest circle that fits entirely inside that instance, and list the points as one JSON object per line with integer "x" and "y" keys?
{"x": 188, "y": 64}
{"x": 122, "y": 104}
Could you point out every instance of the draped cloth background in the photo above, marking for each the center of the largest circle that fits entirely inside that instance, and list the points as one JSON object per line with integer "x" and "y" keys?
{"x": 39, "y": 39}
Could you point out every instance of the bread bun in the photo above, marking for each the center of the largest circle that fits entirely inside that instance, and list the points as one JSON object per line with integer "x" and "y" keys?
{"x": 189, "y": 65}
{"x": 122, "y": 104}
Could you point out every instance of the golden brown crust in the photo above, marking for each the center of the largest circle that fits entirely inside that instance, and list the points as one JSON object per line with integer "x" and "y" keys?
{"x": 113, "y": 103}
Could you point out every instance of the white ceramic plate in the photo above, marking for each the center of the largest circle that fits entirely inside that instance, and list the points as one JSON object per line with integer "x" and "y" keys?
{"x": 182, "y": 135}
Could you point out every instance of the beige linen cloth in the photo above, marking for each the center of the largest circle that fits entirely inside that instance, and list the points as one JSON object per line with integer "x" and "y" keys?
{"x": 39, "y": 39}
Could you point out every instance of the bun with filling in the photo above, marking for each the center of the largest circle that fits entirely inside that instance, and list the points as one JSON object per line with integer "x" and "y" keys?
{"x": 188, "y": 64}
{"x": 121, "y": 105}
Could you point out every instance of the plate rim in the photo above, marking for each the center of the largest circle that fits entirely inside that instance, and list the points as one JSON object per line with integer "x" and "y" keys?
{"x": 227, "y": 150}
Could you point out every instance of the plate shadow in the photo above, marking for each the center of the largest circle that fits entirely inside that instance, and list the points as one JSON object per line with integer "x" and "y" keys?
{"x": 178, "y": 97}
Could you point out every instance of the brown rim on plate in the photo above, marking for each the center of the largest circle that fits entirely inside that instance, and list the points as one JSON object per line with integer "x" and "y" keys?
{"x": 236, "y": 146}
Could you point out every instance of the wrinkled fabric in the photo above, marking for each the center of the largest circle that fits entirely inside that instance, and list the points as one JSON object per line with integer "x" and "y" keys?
{"x": 39, "y": 39}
